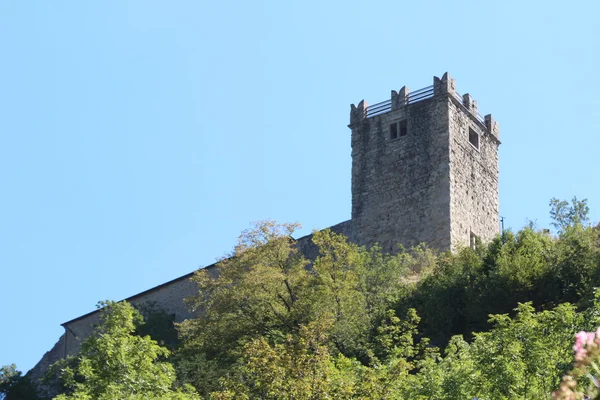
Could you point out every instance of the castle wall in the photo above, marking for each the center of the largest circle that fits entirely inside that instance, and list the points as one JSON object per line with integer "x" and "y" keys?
{"x": 39, "y": 370}
{"x": 311, "y": 251}
{"x": 473, "y": 175}
{"x": 168, "y": 297}
{"x": 400, "y": 187}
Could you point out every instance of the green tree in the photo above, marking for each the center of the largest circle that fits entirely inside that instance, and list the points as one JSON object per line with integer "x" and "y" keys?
{"x": 266, "y": 289}
{"x": 270, "y": 323}
{"x": 461, "y": 375}
{"x": 302, "y": 367}
{"x": 299, "y": 368}
{"x": 576, "y": 264}
{"x": 9, "y": 376}
{"x": 257, "y": 292}
{"x": 158, "y": 324}
{"x": 564, "y": 215}
{"x": 114, "y": 363}
{"x": 449, "y": 299}
{"x": 15, "y": 386}
{"x": 519, "y": 358}
{"x": 523, "y": 357}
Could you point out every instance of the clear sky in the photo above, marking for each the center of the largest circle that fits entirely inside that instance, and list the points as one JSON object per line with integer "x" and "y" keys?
{"x": 138, "y": 138}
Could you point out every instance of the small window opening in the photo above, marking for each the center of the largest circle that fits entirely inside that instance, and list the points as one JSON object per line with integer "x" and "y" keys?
{"x": 398, "y": 129}
{"x": 394, "y": 131}
{"x": 473, "y": 240}
{"x": 403, "y": 130}
{"x": 474, "y": 138}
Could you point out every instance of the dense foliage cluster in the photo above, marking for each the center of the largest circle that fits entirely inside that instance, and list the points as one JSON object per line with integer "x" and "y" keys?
{"x": 496, "y": 321}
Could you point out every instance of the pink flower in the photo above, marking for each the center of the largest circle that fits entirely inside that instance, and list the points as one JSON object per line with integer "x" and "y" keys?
{"x": 581, "y": 339}
{"x": 590, "y": 338}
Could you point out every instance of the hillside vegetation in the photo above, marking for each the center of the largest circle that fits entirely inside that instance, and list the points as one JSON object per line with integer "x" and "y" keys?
{"x": 496, "y": 321}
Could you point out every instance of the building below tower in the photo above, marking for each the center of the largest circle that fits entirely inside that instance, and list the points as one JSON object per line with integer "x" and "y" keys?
{"x": 424, "y": 170}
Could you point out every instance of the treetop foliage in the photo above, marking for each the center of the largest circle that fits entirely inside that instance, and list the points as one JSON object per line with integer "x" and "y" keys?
{"x": 566, "y": 215}
{"x": 492, "y": 322}
{"x": 116, "y": 364}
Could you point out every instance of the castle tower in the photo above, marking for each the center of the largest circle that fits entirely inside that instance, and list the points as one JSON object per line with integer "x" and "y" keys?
{"x": 424, "y": 169}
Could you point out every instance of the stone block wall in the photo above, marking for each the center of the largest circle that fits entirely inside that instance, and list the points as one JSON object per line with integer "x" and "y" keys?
{"x": 401, "y": 186}
{"x": 425, "y": 182}
{"x": 473, "y": 174}
{"x": 168, "y": 297}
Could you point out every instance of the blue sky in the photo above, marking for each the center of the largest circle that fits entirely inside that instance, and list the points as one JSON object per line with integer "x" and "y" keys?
{"x": 138, "y": 138}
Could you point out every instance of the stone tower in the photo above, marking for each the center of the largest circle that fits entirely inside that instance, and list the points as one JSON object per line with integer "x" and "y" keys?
{"x": 424, "y": 169}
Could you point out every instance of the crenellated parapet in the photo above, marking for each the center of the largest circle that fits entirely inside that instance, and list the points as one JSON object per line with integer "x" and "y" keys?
{"x": 492, "y": 126}
{"x": 400, "y": 98}
{"x": 444, "y": 86}
{"x": 424, "y": 169}
{"x": 358, "y": 113}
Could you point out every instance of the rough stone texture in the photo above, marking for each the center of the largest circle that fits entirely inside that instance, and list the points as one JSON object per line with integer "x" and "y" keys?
{"x": 473, "y": 178}
{"x": 430, "y": 185}
{"x": 400, "y": 187}
{"x": 310, "y": 250}
{"x": 168, "y": 297}
{"x": 37, "y": 372}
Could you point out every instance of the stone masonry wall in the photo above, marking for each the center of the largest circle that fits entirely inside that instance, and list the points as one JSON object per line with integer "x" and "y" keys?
{"x": 431, "y": 185}
{"x": 168, "y": 297}
{"x": 473, "y": 175}
{"x": 401, "y": 187}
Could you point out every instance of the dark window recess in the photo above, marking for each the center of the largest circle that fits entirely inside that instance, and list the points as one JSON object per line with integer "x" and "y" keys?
{"x": 403, "y": 130}
{"x": 398, "y": 129}
{"x": 474, "y": 138}
{"x": 394, "y": 131}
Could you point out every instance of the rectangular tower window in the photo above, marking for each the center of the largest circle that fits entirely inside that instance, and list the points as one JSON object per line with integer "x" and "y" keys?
{"x": 403, "y": 130}
{"x": 398, "y": 129}
{"x": 474, "y": 138}
{"x": 394, "y": 131}
{"x": 473, "y": 240}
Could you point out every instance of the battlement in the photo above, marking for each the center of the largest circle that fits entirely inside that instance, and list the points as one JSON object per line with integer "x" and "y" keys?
{"x": 404, "y": 97}
{"x": 424, "y": 169}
